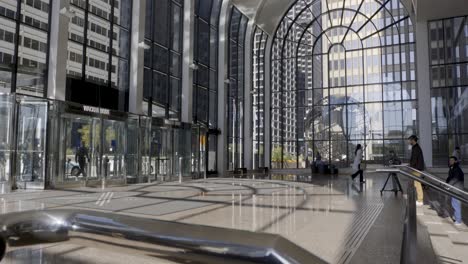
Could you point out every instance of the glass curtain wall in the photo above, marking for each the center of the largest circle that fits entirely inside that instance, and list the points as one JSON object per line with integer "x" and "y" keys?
{"x": 258, "y": 97}
{"x": 343, "y": 73}
{"x": 448, "y": 43}
{"x": 98, "y": 53}
{"x": 163, "y": 58}
{"x": 24, "y": 41}
{"x": 205, "y": 80}
{"x": 235, "y": 113}
{"x": 206, "y": 60}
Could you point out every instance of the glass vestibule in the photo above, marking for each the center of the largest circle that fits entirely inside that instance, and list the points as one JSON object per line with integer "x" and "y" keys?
{"x": 165, "y": 150}
{"x": 156, "y": 144}
{"x": 22, "y": 142}
{"x": 94, "y": 149}
{"x": 6, "y": 119}
{"x": 31, "y": 126}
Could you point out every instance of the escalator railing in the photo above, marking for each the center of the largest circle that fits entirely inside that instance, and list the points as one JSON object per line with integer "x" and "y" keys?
{"x": 171, "y": 241}
{"x": 428, "y": 179}
{"x": 409, "y": 247}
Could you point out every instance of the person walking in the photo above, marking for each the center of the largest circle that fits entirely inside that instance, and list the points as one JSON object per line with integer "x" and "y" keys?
{"x": 457, "y": 154}
{"x": 357, "y": 164}
{"x": 456, "y": 178}
{"x": 417, "y": 162}
{"x": 82, "y": 157}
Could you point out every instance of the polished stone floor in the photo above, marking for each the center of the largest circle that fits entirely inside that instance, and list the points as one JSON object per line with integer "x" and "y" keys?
{"x": 328, "y": 216}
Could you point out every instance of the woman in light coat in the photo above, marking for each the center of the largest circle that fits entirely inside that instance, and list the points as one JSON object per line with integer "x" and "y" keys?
{"x": 357, "y": 164}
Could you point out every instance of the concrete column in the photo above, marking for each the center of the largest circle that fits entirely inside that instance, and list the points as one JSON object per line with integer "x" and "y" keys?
{"x": 248, "y": 140}
{"x": 137, "y": 53}
{"x": 223, "y": 85}
{"x": 424, "y": 90}
{"x": 267, "y": 91}
{"x": 58, "y": 51}
{"x": 187, "y": 62}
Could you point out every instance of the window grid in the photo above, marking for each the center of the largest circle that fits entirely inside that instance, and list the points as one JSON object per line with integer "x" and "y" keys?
{"x": 342, "y": 73}
{"x": 163, "y": 58}
{"x": 448, "y": 56}
{"x": 24, "y": 38}
{"x": 258, "y": 96}
{"x": 235, "y": 111}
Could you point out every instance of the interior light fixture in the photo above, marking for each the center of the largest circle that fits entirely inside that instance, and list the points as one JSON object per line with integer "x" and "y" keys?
{"x": 67, "y": 12}
{"x": 143, "y": 45}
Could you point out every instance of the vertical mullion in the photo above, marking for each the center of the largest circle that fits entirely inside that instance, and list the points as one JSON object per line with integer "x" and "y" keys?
{"x": 111, "y": 46}
{"x": 169, "y": 58}
{"x": 346, "y": 103}
{"x": 329, "y": 107}
{"x": 296, "y": 71}
{"x": 364, "y": 99}
{"x": 313, "y": 110}
{"x": 196, "y": 73}
{"x": 16, "y": 61}
{"x": 46, "y": 80}
{"x": 407, "y": 68}
{"x": 85, "y": 41}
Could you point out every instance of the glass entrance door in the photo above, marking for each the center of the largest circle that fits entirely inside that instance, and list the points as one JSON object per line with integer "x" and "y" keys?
{"x": 199, "y": 153}
{"x": 31, "y": 143}
{"x": 164, "y": 158}
{"x": 79, "y": 149}
{"x": 115, "y": 137}
{"x": 212, "y": 149}
{"x": 203, "y": 151}
{"x": 92, "y": 151}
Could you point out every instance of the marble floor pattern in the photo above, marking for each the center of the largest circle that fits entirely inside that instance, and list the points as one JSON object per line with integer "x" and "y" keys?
{"x": 328, "y": 216}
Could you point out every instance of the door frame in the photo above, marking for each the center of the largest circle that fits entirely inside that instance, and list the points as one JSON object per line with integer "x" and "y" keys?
{"x": 17, "y": 101}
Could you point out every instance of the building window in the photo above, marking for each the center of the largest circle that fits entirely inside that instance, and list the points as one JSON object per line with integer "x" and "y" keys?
{"x": 235, "y": 112}
{"x": 205, "y": 81}
{"x": 343, "y": 73}
{"x": 99, "y": 50}
{"x": 258, "y": 96}
{"x": 163, "y": 58}
{"x": 24, "y": 41}
{"x": 448, "y": 44}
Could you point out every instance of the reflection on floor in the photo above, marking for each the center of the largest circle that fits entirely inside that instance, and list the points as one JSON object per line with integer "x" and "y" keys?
{"x": 329, "y": 216}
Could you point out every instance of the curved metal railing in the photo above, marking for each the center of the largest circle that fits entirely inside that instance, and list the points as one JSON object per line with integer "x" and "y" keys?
{"x": 172, "y": 241}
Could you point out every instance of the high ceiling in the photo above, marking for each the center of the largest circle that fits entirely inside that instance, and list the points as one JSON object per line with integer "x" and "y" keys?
{"x": 436, "y": 9}
{"x": 268, "y": 13}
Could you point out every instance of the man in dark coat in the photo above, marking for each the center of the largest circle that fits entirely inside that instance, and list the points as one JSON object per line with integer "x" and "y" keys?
{"x": 417, "y": 162}
{"x": 82, "y": 157}
{"x": 456, "y": 178}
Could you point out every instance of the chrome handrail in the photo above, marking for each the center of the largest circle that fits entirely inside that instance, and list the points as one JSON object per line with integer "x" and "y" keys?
{"x": 177, "y": 242}
{"x": 410, "y": 241}
{"x": 434, "y": 178}
{"x": 415, "y": 174}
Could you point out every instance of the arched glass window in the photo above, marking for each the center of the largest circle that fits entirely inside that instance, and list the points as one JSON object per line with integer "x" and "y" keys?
{"x": 258, "y": 96}
{"x": 343, "y": 73}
